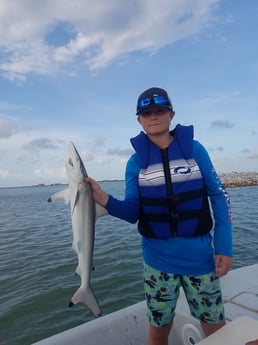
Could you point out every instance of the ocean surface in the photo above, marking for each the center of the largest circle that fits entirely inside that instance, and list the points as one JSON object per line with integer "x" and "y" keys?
{"x": 37, "y": 262}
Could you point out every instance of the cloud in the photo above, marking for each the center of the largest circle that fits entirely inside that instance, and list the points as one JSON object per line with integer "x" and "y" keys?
{"x": 96, "y": 143}
{"x": 250, "y": 154}
{"x": 217, "y": 99}
{"x": 43, "y": 37}
{"x": 119, "y": 152}
{"x": 47, "y": 171}
{"x": 32, "y": 151}
{"x": 39, "y": 144}
{"x": 7, "y": 106}
{"x": 4, "y": 173}
{"x": 8, "y": 127}
{"x": 93, "y": 147}
{"x": 221, "y": 124}
{"x": 218, "y": 149}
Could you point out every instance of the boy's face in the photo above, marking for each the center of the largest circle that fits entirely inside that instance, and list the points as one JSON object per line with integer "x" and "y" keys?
{"x": 156, "y": 120}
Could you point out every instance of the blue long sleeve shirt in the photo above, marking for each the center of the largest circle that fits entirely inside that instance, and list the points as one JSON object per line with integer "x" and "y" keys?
{"x": 179, "y": 255}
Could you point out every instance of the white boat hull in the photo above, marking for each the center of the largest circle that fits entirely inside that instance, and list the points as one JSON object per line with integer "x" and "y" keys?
{"x": 129, "y": 326}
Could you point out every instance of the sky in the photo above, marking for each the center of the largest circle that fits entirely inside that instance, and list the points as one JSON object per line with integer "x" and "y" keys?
{"x": 73, "y": 70}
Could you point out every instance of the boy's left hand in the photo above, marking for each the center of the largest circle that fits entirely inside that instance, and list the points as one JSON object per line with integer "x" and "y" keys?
{"x": 222, "y": 264}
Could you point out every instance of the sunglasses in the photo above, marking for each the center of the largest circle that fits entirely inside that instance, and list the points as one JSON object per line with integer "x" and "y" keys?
{"x": 156, "y": 100}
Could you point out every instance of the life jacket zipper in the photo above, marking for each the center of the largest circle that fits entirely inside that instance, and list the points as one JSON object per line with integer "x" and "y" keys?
{"x": 169, "y": 189}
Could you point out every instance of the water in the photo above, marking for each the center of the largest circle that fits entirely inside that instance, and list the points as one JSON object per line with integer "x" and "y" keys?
{"x": 37, "y": 262}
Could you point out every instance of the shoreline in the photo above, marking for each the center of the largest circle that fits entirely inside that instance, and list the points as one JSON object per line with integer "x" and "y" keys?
{"x": 229, "y": 180}
{"x": 236, "y": 179}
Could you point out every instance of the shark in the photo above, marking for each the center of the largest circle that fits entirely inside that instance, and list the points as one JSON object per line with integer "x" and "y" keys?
{"x": 84, "y": 213}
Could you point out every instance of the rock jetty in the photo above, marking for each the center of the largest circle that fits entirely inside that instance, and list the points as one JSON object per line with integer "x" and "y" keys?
{"x": 239, "y": 179}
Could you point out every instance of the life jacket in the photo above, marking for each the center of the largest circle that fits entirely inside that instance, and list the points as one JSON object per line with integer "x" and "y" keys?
{"x": 173, "y": 197}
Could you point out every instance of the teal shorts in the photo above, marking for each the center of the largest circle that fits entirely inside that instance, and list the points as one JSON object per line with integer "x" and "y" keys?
{"x": 203, "y": 294}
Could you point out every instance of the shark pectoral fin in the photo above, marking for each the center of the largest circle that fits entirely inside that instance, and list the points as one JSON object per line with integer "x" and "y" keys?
{"x": 87, "y": 297}
{"x": 100, "y": 211}
{"x": 62, "y": 195}
{"x": 76, "y": 246}
{"x": 78, "y": 271}
{"x": 74, "y": 197}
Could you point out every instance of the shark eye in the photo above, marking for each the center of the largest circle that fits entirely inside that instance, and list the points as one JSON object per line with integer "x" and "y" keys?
{"x": 70, "y": 162}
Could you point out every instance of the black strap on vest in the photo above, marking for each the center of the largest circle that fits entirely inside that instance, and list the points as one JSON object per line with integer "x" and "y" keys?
{"x": 170, "y": 196}
{"x": 166, "y": 217}
{"x": 176, "y": 199}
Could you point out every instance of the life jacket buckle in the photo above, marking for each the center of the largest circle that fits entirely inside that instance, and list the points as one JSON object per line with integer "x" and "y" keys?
{"x": 174, "y": 215}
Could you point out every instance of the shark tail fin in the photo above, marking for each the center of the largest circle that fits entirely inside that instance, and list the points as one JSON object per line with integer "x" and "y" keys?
{"x": 87, "y": 297}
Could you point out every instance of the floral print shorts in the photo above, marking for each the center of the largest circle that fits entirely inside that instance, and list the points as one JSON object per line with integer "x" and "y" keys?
{"x": 203, "y": 294}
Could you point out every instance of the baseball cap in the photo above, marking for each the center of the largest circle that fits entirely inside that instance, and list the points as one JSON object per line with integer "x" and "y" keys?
{"x": 153, "y": 97}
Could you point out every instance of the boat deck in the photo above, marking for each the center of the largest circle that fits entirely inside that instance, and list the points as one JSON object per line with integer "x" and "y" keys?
{"x": 129, "y": 326}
